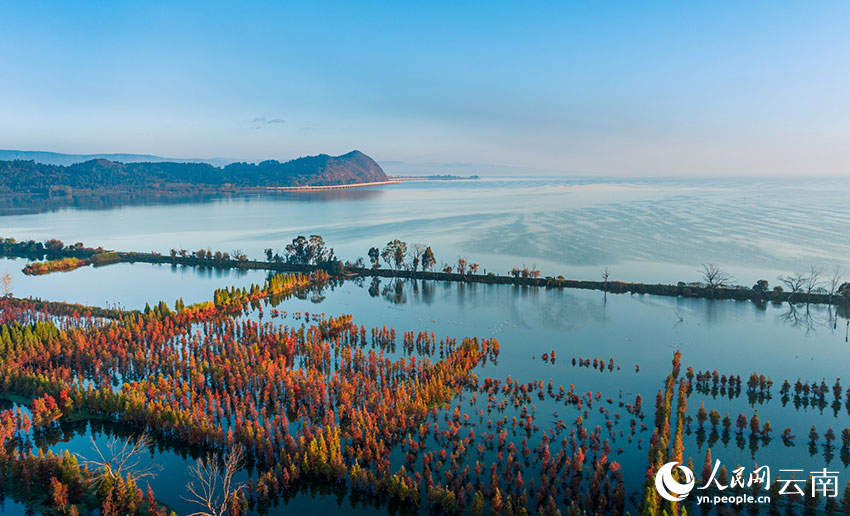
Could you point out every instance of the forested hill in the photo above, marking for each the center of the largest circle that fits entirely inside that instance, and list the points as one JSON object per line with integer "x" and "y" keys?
{"x": 102, "y": 175}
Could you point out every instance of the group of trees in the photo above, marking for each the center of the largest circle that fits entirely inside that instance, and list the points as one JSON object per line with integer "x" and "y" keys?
{"x": 53, "y": 248}
{"x": 800, "y": 286}
{"x": 62, "y": 264}
{"x": 398, "y": 257}
{"x": 415, "y": 425}
{"x": 310, "y": 251}
{"x": 101, "y": 175}
{"x": 60, "y": 483}
{"x": 314, "y": 251}
{"x": 278, "y": 285}
{"x": 815, "y": 281}
{"x": 206, "y": 376}
{"x": 671, "y": 427}
{"x": 29, "y": 249}
{"x": 207, "y": 255}
{"x": 525, "y": 272}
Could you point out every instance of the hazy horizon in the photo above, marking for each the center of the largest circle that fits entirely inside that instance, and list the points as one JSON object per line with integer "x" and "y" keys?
{"x": 619, "y": 89}
{"x": 402, "y": 168}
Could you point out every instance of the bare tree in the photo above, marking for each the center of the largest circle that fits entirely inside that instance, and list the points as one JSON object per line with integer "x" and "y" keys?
{"x": 239, "y": 256}
{"x": 794, "y": 282}
{"x": 6, "y": 281}
{"x": 216, "y": 488}
{"x": 416, "y": 253}
{"x": 813, "y": 282}
{"x": 835, "y": 281}
{"x": 605, "y": 275}
{"x": 714, "y": 276}
{"x": 122, "y": 458}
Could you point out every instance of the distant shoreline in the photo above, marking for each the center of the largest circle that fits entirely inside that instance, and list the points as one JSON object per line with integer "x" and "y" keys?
{"x": 102, "y": 176}
{"x": 178, "y": 190}
{"x": 444, "y": 177}
{"x": 330, "y": 187}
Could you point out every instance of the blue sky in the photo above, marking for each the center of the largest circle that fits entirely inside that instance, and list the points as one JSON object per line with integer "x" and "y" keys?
{"x": 611, "y": 88}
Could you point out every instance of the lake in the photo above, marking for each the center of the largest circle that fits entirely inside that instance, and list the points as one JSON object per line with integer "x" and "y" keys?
{"x": 645, "y": 230}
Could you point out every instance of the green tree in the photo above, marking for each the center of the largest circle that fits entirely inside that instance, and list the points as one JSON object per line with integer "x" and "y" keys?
{"x": 478, "y": 504}
{"x": 395, "y": 254}
{"x": 428, "y": 259}
{"x": 296, "y": 251}
{"x": 317, "y": 250}
{"x": 54, "y": 245}
{"x": 375, "y": 257}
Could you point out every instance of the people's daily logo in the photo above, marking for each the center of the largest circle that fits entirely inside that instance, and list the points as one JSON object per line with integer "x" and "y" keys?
{"x": 823, "y": 483}
{"x": 668, "y": 487}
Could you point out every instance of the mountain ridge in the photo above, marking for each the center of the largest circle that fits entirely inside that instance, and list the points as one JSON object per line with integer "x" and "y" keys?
{"x": 104, "y": 175}
{"x": 59, "y": 158}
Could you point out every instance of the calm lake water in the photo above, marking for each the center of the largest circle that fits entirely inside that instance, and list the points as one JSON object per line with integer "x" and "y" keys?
{"x": 644, "y": 230}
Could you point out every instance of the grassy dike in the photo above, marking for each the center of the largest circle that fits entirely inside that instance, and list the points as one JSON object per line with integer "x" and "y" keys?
{"x": 689, "y": 290}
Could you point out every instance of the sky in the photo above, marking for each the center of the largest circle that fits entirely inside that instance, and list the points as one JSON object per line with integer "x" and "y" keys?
{"x": 578, "y": 88}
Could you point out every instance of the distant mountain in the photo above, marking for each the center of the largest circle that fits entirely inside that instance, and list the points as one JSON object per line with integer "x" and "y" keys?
{"x": 106, "y": 176}
{"x": 57, "y": 158}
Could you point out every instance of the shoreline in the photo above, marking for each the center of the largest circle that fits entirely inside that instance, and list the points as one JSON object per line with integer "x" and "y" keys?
{"x": 329, "y": 187}
{"x": 178, "y": 190}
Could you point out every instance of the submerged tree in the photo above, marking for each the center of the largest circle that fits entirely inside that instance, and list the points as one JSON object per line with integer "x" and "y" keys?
{"x": 813, "y": 282}
{"x": 58, "y": 495}
{"x": 215, "y": 491}
{"x": 122, "y": 459}
{"x": 6, "y": 282}
{"x": 835, "y": 281}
